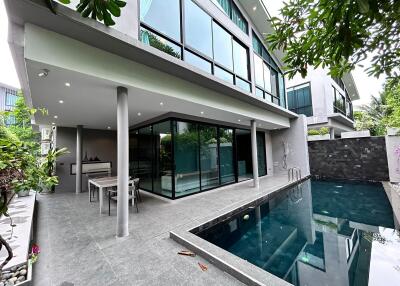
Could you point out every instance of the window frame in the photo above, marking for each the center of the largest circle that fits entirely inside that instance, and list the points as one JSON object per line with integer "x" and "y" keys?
{"x": 296, "y": 88}
{"x": 183, "y": 46}
{"x": 230, "y": 16}
{"x": 273, "y": 67}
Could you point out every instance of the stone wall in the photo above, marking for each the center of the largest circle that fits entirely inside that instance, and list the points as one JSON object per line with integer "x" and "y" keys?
{"x": 352, "y": 159}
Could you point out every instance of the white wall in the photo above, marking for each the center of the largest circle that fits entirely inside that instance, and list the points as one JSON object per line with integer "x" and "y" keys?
{"x": 296, "y": 139}
{"x": 393, "y": 142}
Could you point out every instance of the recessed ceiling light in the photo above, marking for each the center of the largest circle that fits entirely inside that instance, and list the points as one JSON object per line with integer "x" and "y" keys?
{"x": 61, "y": 101}
{"x": 161, "y": 103}
{"x": 239, "y": 120}
{"x": 254, "y": 8}
{"x": 202, "y": 112}
{"x": 108, "y": 127}
{"x": 53, "y": 123}
{"x": 43, "y": 73}
{"x": 67, "y": 84}
{"x": 55, "y": 116}
{"x": 139, "y": 114}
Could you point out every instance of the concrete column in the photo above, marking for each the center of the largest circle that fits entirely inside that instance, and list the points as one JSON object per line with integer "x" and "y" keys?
{"x": 123, "y": 162}
{"x": 254, "y": 153}
{"x": 332, "y": 133}
{"x": 78, "y": 183}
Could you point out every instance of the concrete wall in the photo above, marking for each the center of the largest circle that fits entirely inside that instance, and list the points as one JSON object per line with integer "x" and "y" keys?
{"x": 393, "y": 143}
{"x": 100, "y": 143}
{"x": 352, "y": 158}
{"x": 295, "y": 139}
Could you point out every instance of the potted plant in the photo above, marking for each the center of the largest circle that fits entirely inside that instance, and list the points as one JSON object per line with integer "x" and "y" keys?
{"x": 47, "y": 169}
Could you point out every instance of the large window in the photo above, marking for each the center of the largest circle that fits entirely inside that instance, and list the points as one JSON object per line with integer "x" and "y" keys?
{"x": 176, "y": 158}
{"x": 299, "y": 99}
{"x": 198, "y": 29}
{"x": 163, "y": 16}
{"x": 269, "y": 79}
{"x": 222, "y": 46}
{"x": 339, "y": 102}
{"x": 158, "y": 42}
{"x": 206, "y": 45}
{"x": 232, "y": 11}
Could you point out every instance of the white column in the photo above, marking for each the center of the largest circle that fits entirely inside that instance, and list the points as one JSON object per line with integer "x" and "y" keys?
{"x": 123, "y": 162}
{"x": 254, "y": 153}
{"x": 78, "y": 182}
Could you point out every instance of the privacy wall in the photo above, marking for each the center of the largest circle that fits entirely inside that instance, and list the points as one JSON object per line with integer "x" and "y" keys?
{"x": 352, "y": 159}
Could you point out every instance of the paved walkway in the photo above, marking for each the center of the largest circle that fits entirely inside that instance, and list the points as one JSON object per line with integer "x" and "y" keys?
{"x": 78, "y": 245}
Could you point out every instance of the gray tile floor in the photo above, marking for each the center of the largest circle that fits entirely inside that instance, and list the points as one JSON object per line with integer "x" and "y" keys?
{"x": 78, "y": 245}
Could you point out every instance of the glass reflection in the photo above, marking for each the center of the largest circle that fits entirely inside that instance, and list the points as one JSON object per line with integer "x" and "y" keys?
{"x": 222, "y": 46}
{"x": 162, "y": 177}
{"x": 226, "y": 155}
{"x": 317, "y": 233}
{"x": 198, "y": 30}
{"x": 145, "y": 156}
{"x": 262, "y": 166}
{"x": 186, "y": 152}
{"x": 152, "y": 12}
{"x": 240, "y": 60}
{"x": 208, "y": 157}
{"x": 197, "y": 61}
{"x": 160, "y": 43}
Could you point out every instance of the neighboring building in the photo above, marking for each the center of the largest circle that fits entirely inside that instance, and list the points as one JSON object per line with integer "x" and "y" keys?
{"x": 326, "y": 101}
{"x": 199, "y": 86}
{"x": 8, "y": 98}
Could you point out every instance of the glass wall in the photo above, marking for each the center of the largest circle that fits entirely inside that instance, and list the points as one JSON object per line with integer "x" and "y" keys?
{"x": 270, "y": 83}
{"x": 243, "y": 155}
{"x": 162, "y": 168}
{"x": 205, "y": 44}
{"x": 227, "y": 167}
{"x": 230, "y": 9}
{"x": 299, "y": 99}
{"x": 187, "y": 159}
{"x": 175, "y": 158}
{"x": 208, "y": 157}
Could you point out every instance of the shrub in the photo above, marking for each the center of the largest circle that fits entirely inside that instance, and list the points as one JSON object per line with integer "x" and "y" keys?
{"x": 324, "y": 130}
{"x": 313, "y": 132}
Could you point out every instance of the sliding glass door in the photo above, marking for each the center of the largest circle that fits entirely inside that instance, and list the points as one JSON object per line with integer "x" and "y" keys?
{"x": 262, "y": 165}
{"x": 243, "y": 155}
{"x": 208, "y": 157}
{"x": 226, "y": 159}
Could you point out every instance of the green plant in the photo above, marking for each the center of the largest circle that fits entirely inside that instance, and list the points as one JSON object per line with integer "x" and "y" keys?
{"x": 49, "y": 180}
{"x": 102, "y": 10}
{"x": 338, "y": 35}
{"x": 323, "y": 131}
{"x": 312, "y": 132}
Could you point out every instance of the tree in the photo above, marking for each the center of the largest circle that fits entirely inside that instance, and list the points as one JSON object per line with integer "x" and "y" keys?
{"x": 339, "y": 35}
{"x": 102, "y": 10}
{"x": 382, "y": 112}
{"x": 21, "y": 166}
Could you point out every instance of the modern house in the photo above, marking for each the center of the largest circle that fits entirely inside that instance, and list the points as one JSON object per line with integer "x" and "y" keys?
{"x": 326, "y": 101}
{"x": 187, "y": 101}
{"x": 8, "y": 98}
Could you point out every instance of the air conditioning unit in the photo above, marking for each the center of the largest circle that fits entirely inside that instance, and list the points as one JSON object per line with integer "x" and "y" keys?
{"x": 46, "y": 134}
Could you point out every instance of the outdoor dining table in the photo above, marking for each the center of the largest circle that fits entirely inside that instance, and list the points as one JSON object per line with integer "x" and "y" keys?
{"x": 104, "y": 183}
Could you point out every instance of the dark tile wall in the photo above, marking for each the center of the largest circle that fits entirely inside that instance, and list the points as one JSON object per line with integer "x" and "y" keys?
{"x": 354, "y": 158}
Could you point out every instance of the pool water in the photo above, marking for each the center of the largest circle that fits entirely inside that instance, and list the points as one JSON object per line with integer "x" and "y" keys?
{"x": 317, "y": 233}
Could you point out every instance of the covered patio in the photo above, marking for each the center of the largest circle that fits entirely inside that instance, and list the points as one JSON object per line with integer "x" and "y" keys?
{"x": 78, "y": 246}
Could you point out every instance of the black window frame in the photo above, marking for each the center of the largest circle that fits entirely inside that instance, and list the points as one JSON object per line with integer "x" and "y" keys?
{"x": 233, "y": 5}
{"x": 183, "y": 46}
{"x": 296, "y": 88}
{"x": 269, "y": 61}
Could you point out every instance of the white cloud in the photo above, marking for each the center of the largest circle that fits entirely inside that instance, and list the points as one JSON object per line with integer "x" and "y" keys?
{"x": 366, "y": 85}
{"x": 8, "y": 75}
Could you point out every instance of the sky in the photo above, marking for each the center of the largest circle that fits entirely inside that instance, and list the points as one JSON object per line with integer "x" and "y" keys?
{"x": 366, "y": 86}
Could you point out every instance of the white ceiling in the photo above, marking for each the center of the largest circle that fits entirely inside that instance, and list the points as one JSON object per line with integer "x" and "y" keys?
{"x": 91, "y": 101}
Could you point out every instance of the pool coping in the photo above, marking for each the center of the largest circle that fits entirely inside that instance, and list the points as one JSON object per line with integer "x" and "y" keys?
{"x": 239, "y": 268}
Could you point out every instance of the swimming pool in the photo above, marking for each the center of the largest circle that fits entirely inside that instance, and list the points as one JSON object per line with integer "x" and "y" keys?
{"x": 316, "y": 233}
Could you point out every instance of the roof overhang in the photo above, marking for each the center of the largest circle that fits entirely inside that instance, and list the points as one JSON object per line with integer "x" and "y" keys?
{"x": 351, "y": 86}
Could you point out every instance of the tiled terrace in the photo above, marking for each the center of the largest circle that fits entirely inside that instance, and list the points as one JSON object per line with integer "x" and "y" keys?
{"x": 78, "y": 245}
